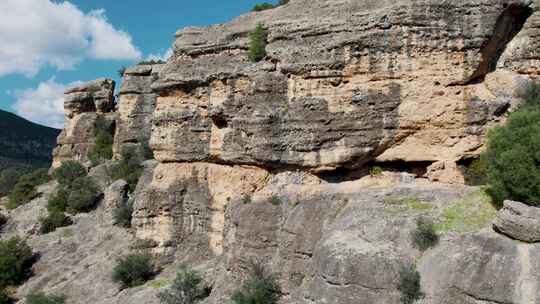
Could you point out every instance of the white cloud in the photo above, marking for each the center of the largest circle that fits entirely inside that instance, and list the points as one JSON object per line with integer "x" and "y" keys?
{"x": 165, "y": 56}
{"x": 36, "y": 33}
{"x": 44, "y": 104}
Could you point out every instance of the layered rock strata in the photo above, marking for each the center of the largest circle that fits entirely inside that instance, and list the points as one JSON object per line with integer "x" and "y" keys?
{"x": 84, "y": 105}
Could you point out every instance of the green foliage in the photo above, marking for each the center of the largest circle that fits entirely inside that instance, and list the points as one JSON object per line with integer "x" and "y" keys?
{"x": 16, "y": 260}
{"x": 262, "y": 7}
{"x": 246, "y": 199}
{"x": 77, "y": 192}
{"x": 257, "y": 44}
{"x": 513, "y": 158}
{"x": 68, "y": 172}
{"x": 471, "y": 213}
{"x": 409, "y": 285}
{"x": 187, "y": 288}
{"x": 129, "y": 167}
{"x": 83, "y": 195}
{"x": 424, "y": 236}
{"x": 531, "y": 96}
{"x": 123, "y": 213}
{"x": 476, "y": 173}
{"x": 275, "y": 200}
{"x": 41, "y": 298}
{"x": 121, "y": 72}
{"x": 151, "y": 62}
{"x": 133, "y": 270}
{"x": 4, "y": 297}
{"x": 102, "y": 148}
{"x": 54, "y": 220}
{"x": 260, "y": 288}
{"x": 59, "y": 201}
{"x": 9, "y": 178}
{"x": 25, "y": 189}
{"x": 375, "y": 171}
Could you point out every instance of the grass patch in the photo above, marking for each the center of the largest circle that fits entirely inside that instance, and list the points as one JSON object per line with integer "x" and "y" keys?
{"x": 412, "y": 203}
{"x": 159, "y": 283}
{"x": 471, "y": 213}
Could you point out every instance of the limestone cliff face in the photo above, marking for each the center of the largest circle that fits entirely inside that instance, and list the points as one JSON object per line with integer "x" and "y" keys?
{"x": 411, "y": 86}
{"x": 344, "y": 83}
{"x": 83, "y": 105}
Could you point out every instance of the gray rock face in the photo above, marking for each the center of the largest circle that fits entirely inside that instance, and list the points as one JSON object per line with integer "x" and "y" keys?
{"x": 84, "y": 105}
{"x": 518, "y": 221}
{"x": 344, "y": 83}
{"x": 135, "y": 107}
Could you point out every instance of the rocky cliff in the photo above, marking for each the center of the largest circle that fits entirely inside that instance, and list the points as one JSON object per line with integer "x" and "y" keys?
{"x": 409, "y": 86}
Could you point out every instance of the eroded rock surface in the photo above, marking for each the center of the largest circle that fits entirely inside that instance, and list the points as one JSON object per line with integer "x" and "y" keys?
{"x": 344, "y": 83}
{"x": 519, "y": 221}
{"x": 84, "y": 105}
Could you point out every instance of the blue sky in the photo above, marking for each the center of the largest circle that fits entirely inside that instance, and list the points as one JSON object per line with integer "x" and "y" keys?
{"x": 52, "y": 44}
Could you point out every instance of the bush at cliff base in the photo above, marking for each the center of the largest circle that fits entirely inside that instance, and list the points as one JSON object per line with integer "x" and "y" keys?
{"x": 41, "y": 298}
{"x": 26, "y": 188}
{"x": 513, "y": 158}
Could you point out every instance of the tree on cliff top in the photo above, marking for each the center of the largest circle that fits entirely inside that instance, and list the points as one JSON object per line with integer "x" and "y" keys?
{"x": 257, "y": 44}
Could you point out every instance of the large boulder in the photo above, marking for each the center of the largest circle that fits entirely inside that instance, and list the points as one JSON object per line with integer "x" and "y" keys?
{"x": 518, "y": 221}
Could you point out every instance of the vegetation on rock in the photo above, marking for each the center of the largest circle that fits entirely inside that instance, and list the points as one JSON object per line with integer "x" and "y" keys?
{"x": 187, "y": 288}
{"x": 68, "y": 172}
{"x": 424, "y": 236}
{"x": 77, "y": 192}
{"x": 41, "y": 298}
{"x": 261, "y": 287}
{"x": 83, "y": 194}
{"x": 257, "y": 44}
{"x": 16, "y": 259}
{"x": 54, "y": 220}
{"x": 151, "y": 62}
{"x": 133, "y": 270}
{"x": 471, "y": 213}
{"x": 3, "y": 220}
{"x": 513, "y": 170}
{"x": 123, "y": 213}
{"x": 375, "y": 171}
{"x": 26, "y": 188}
{"x": 102, "y": 149}
{"x": 266, "y": 6}
{"x": 409, "y": 285}
{"x": 129, "y": 167}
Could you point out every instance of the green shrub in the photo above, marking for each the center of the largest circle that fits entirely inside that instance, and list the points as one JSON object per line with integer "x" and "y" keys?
{"x": 102, "y": 148}
{"x": 409, "y": 285}
{"x": 54, "y": 220}
{"x": 83, "y": 195}
{"x": 476, "y": 173}
{"x": 375, "y": 171}
{"x": 262, "y": 7}
{"x": 26, "y": 188}
{"x": 512, "y": 158}
{"x": 16, "y": 260}
{"x": 531, "y": 95}
{"x": 246, "y": 199}
{"x": 9, "y": 178}
{"x": 133, "y": 270}
{"x": 187, "y": 288}
{"x": 151, "y": 62}
{"x": 260, "y": 288}
{"x": 123, "y": 213}
{"x": 68, "y": 172}
{"x": 59, "y": 201}
{"x": 275, "y": 200}
{"x": 257, "y": 44}
{"x": 129, "y": 167}
{"x": 424, "y": 236}
{"x": 41, "y": 298}
{"x": 4, "y": 297}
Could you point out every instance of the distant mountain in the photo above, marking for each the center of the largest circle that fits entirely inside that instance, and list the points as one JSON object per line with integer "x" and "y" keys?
{"x": 23, "y": 142}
